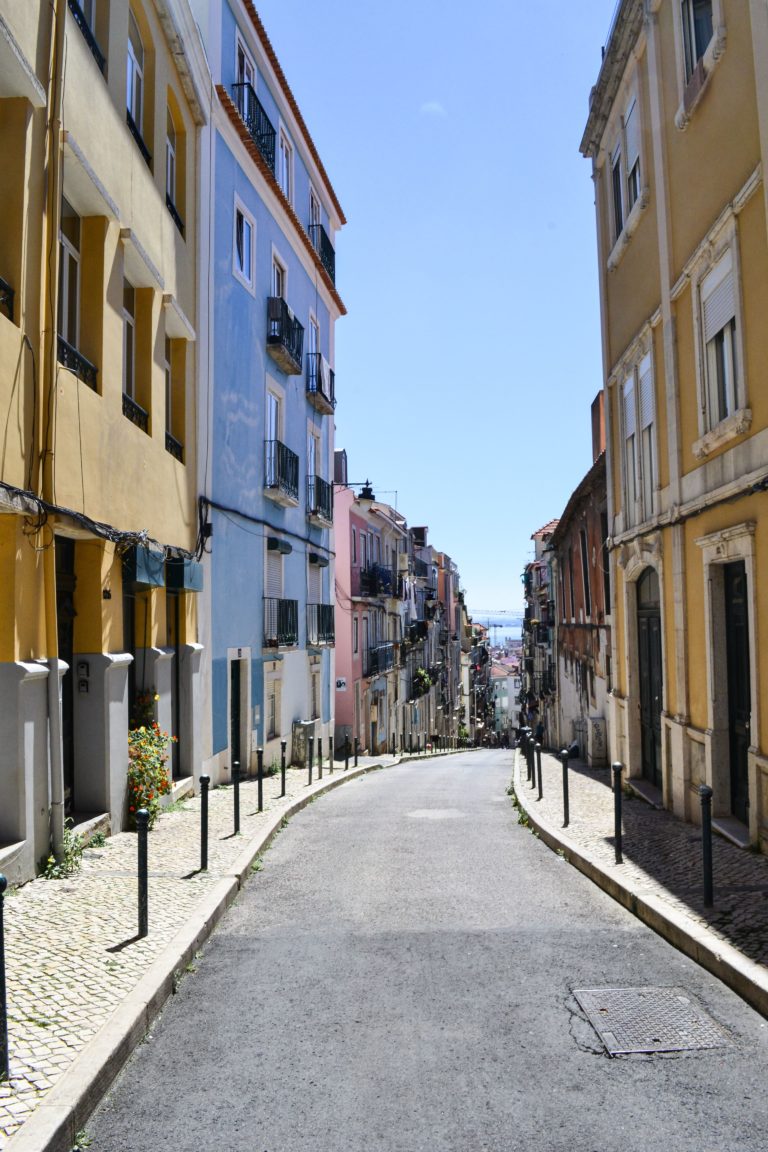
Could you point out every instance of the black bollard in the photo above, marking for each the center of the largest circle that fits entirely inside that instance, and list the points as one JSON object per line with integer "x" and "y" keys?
{"x": 260, "y": 776}
{"x": 566, "y": 813}
{"x": 236, "y": 785}
{"x": 319, "y": 757}
{"x": 392, "y": 744}
{"x": 705, "y": 795}
{"x": 283, "y": 745}
{"x": 330, "y": 753}
{"x": 142, "y": 829}
{"x": 5, "y": 1059}
{"x": 346, "y": 755}
{"x": 410, "y": 743}
{"x": 310, "y": 757}
{"x": 527, "y": 754}
{"x": 357, "y": 749}
{"x": 617, "y": 768}
{"x": 538, "y": 768}
{"x": 205, "y": 783}
{"x": 531, "y": 755}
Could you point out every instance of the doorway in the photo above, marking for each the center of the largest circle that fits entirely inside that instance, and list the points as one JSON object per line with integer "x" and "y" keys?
{"x": 235, "y": 714}
{"x": 651, "y": 674}
{"x": 739, "y": 688}
{"x": 65, "y": 621}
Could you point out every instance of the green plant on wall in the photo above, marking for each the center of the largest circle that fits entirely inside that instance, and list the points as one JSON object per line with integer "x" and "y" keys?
{"x": 421, "y": 682}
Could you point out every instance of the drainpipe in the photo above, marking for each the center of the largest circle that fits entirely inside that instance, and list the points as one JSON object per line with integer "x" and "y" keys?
{"x": 44, "y": 476}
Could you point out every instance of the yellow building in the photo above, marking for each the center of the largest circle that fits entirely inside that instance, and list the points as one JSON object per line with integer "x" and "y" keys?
{"x": 99, "y": 110}
{"x": 678, "y": 138}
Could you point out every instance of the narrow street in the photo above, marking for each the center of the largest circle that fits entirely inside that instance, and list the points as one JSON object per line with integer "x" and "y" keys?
{"x": 399, "y": 976}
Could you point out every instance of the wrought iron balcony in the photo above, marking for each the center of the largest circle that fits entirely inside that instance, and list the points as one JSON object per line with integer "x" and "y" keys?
{"x": 379, "y": 659}
{"x": 88, "y": 35}
{"x": 322, "y": 245}
{"x": 6, "y": 298}
{"x": 420, "y": 568}
{"x": 377, "y": 580}
{"x": 320, "y": 624}
{"x": 173, "y": 446}
{"x": 135, "y": 413}
{"x": 321, "y": 384}
{"x": 134, "y": 130}
{"x": 285, "y": 336}
{"x": 418, "y": 630}
{"x": 256, "y": 121}
{"x": 281, "y": 472}
{"x": 281, "y": 622}
{"x": 319, "y": 499}
{"x": 70, "y": 358}
{"x": 174, "y": 213}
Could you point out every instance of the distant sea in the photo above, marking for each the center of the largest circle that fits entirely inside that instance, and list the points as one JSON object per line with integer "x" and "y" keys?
{"x": 502, "y": 627}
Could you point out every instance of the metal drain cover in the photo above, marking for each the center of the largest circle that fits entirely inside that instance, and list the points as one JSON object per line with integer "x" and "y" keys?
{"x": 649, "y": 1020}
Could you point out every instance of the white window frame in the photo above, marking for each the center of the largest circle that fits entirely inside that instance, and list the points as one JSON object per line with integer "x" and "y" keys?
{"x": 129, "y": 340}
{"x": 248, "y": 61}
{"x": 355, "y": 635}
{"x": 168, "y": 370}
{"x": 719, "y": 252}
{"x": 691, "y": 84}
{"x": 354, "y": 547}
{"x": 638, "y": 428}
{"x": 279, "y": 270}
{"x": 632, "y": 192}
{"x": 688, "y": 27}
{"x": 69, "y": 255}
{"x": 134, "y": 86}
{"x": 285, "y": 155}
{"x": 241, "y": 272}
{"x": 171, "y": 136}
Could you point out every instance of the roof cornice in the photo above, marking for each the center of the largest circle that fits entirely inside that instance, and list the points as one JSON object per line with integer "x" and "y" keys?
{"x": 621, "y": 41}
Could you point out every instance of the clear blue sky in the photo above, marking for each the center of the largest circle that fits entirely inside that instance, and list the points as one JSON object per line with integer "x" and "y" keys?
{"x": 470, "y": 356}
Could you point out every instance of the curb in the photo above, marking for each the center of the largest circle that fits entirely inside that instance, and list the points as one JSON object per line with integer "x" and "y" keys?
{"x": 748, "y": 979}
{"x": 66, "y": 1108}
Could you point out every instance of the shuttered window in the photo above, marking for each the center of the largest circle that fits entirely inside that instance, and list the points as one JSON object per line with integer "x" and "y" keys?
{"x": 718, "y": 319}
{"x": 632, "y": 144}
{"x": 275, "y": 575}
{"x": 630, "y": 451}
{"x": 718, "y": 297}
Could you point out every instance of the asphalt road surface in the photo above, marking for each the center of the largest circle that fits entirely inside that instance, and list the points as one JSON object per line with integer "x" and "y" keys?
{"x": 399, "y": 977}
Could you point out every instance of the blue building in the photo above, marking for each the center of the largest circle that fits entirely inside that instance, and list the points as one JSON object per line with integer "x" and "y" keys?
{"x": 267, "y": 399}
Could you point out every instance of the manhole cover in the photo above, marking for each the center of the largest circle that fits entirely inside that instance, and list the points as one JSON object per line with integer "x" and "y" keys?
{"x": 649, "y": 1020}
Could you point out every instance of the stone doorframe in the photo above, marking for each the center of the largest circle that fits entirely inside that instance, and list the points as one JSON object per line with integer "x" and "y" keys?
{"x": 633, "y": 559}
{"x": 720, "y": 548}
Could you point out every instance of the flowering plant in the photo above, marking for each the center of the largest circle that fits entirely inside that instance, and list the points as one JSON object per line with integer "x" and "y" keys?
{"x": 148, "y": 778}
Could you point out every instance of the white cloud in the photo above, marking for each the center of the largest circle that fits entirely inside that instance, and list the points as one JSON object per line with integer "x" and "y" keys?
{"x": 432, "y": 108}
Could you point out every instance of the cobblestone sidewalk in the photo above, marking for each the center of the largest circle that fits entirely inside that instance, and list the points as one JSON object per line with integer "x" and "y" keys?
{"x": 72, "y": 956}
{"x": 662, "y": 854}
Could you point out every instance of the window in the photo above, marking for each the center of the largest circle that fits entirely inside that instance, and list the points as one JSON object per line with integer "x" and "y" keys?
{"x": 355, "y": 635}
{"x": 585, "y": 572}
{"x": 647, "y": 435}
{"x": 243, "y": 253}
{"x": 632, "y": 144}
{"x": 630, "y": 451}
{"x": 640, "y": 467}
{"x": 363, "y": 550}
{"x": 315, "y": 214}
{"x": 170, "y": 158}
{"x": 354, "y": 546}
{"x": 315, "y": 693}
{"x": 134, "y": 95}
{"x": 273, "y": 709}
{"x": 167, "y": 367}
{"x": 625, "y": 170}
{"x": 244, "y": 66}
{"x": 285, "y": 167}
{"x": 129, "y": 339}
{"x": 314, "y": 337}
{"x": 697, "y": 31}
{"x": 69, "y": 275}
{"x": 278, "y": 280}
{"x": 313, "y": 452}
{"x": 718, "y": 315}
{"x": 618, "y": 201}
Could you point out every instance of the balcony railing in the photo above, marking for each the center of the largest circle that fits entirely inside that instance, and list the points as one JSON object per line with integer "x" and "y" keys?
{"x": 88, "y": 35}
{"x": 378, "y": 580}
{"x": 322, "y": 244}
{"x": 285, "y": 336}
{"x": 320, "y": 624}
{"x": 281, "y": 622}
{"x": 173, "y": 446}
{"x": 379, "y": 659}
{"x": 135, "y": 413}
{"x": 134, "y": 130}
{"x": 321, "y": 383}
{"x": 6, "y": 298}
{"x": 420, "y": 567}
{"x": 174, "y": 213}
{"x": 320, "y": 499}
{"x": 281, "y": 470}
{"x": 256, "y": 121}
{"x": 70, "y": 358}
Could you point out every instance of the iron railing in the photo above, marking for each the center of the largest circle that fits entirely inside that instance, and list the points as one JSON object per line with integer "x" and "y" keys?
{"x": 281, "y": 622}
{"x": 70, "y": 358}
{"x": 320, "y": 624}
{"x": 135, "y": 413}
{"x": 379, "y": 659}
{"x": 321, "y": 383}
{"x": 175, "y": 448}
{"x": 88, "y": 35}
{"x": 420, "y": 567}
{"x": 257, "y": 122}
{"x": 6, "y": 298}
{"x": 134, "y": 130}
{"x": 281, "y": 468}
{"x": 322, "y": 244}
{"x": 174, "y": 213}
{"x": 377, "y": 580}
{"x": 320, "y": 498}
{"x": 285, "y": 336}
